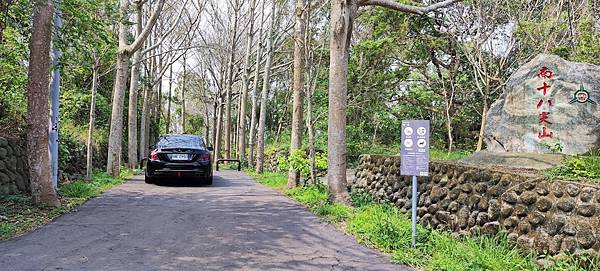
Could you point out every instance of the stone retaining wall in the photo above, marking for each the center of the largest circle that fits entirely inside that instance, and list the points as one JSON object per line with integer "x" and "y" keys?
{"x": 538, "y": 214}
{"x": 13, "y": 167}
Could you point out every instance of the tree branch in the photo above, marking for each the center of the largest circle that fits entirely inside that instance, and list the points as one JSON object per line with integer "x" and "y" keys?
{"x": 391, "y": 4}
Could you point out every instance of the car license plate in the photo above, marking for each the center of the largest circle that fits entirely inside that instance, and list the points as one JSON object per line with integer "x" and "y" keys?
{"x": 179, "y": 157}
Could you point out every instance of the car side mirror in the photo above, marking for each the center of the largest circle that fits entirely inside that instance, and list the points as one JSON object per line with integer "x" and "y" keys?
{"x": 210, "y": 148}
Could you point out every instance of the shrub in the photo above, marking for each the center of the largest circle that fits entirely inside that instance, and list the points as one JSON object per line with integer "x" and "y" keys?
{"x": 577, "y": 167}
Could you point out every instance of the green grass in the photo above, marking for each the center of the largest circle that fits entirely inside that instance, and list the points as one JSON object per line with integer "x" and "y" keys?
{"x": 386, "y": 228}
{"x": 436, "y": 154}
{"x": 18, "y": 214}
{"x": 577, "y": 168}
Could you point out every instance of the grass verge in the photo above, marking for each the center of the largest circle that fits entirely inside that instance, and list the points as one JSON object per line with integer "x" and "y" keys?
{"x": 386, "y": 228}
{"x": 18, "y": 214}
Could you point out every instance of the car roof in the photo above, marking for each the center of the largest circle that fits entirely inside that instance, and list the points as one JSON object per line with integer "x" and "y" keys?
{"x": 181, "y": 135}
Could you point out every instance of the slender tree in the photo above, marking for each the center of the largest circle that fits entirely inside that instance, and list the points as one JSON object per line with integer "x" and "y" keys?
{"x": 92, "y": 119}
{"x": 298, "y": 87}
{"x": 132, "y": 131}
{"x": 260, "y": 152}
{"x": 124, "y": 53}
{"x": 38, "y": 92}
{"x": 254, "y": 113}
{"x": 245, "y": 86}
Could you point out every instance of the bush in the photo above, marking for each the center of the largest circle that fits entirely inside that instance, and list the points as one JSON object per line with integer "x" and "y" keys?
{"x": 300, "y": 161}
{"x": 577, "y": 167}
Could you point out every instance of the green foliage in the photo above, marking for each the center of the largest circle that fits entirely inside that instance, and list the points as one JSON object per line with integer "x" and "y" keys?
{"x": 270, "y": 179}
{"x": 311, "y": 196}
{"x": 576, "y": 168}
{"x": 300, "y": 161}
{"x": 436, "y": 154}
{"x": 89, "y": 189}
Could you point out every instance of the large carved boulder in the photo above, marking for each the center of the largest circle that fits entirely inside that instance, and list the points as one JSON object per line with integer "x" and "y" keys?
{"x": 548, "y": 105}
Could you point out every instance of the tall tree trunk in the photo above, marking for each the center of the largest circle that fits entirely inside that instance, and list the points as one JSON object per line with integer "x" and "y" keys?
{"x": 213, "y": 138}
{"x": 183, "y": 118}
{"x": 484, "y": 112}
{"x": 217, "y": 150}
{"x": 246, "y": 82}
{"x": 254, "y": 113}
{"x": 132, "y": 139}
{"x": 169, "y": 98}
{"x": 260, "y": 152}
{"x": 38, "y": 93}
{"x": 311, "y": 137}
{"x": 116, "y": 136}
{"x": 298, "y": 88}
{"x": 229, "y": 82}
{"x": 92, "y": 120}
{"x": 124, "y": 53}
{"x": 342, "y": 16}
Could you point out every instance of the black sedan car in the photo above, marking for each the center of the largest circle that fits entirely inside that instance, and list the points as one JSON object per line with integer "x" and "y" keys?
{"x": 177, "y": 157}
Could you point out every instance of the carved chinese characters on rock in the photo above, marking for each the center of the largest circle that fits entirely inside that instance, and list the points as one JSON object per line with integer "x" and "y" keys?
{"x": 544, "y": 106}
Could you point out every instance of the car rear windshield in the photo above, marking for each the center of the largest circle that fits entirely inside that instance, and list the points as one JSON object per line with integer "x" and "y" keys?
{"x": 189, "y": 142}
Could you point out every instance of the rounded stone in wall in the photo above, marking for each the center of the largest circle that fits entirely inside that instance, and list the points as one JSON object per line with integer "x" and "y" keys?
{"x": 558, "y": 190}
{"x": 536, "y": 218}
{"x": 587, "y": 194}
{"x": 491, "y": 228}
{"x": 525, "y": 242}
{"x": 506, "y": 209}
{"x": 473, "y": 218}
{"x": 483, "y": 204}
{"x": 442, "y": 216}
{"x": 512, "y": 237}
{"x": 461, "y": 179}
{"x": 473, "y": 201}
{"x": 425, "y": 219}
{"x": 565, "y": 205}
{"x": 554, "y": 226}
{"x": 586, "y": 209}
{"x": 569, "y": 229}
{"x": 463, "y": 217}
{"x": 510, "y": 197}
{"x": 543, "y": 204}
{"x": 572, "y": 190}
{"x": 586, "y": 237}
{"x": 520, "y": 210}
{"x": 495, "y": 191}
{"x": 510, "y": 222}
{"x": 528, "y": 197}
{"x": 555, "y": 244}
{"x": 542, "y": 189}
{"x": 453, "y": 206}
{"x": 569, "y": 244}
{"x": 540, "y": 243}
{"x": 494, "y": 209}
{"x": 454, "y": 193}
{"x": 482, "y": 218}
{"x": 467, "y": 188}
{"x": 505, "y": 180}
{"x": 523, "y": 227}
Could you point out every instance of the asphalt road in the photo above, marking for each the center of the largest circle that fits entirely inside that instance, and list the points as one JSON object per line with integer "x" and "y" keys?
{"x": 236, "y": 224}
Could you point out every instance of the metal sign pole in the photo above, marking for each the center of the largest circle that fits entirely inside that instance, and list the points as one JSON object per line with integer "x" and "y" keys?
{"x": 414, "y": 155}
{"x": 414, "y": 211}
{"x": 54, "y": 98}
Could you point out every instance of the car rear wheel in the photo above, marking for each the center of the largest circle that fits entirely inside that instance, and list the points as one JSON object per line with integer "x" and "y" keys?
{"x": 208, "y": 180}
{"x": 148, "y": 179}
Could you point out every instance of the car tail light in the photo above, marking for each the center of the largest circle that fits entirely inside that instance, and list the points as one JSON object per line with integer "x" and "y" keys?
{"x": 205, "y": 157}
{"x": 154, "y": 156}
